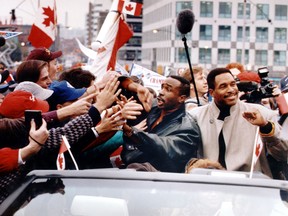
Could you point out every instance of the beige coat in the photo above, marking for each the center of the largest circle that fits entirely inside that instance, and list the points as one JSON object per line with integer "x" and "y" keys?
{"x": 239, "y": 136}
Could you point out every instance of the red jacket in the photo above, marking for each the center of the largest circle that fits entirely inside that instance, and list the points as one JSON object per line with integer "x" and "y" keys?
{"x": 8, "y": 159}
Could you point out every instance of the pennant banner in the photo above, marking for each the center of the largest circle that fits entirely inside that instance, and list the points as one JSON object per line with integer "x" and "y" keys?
{"x": 9, "y": 34}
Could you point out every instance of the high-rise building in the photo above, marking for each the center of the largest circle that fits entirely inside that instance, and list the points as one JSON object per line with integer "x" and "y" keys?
{"x": 222, "y": 31}
{"x": 95, "y": 18}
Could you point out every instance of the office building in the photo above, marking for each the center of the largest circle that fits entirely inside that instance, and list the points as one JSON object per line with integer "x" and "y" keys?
{"x": 217, "y": 37}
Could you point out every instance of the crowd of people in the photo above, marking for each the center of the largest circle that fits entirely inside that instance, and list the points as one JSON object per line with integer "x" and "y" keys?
{"x": 118, "y": 122}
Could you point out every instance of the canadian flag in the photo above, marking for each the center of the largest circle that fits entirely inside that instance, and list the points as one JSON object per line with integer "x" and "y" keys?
{"x": 44, "y": 29}
{"x": 258, "y": 146}
{"x": 131, "y": 8}
{"x": 65, "y": 146}
{"x": 115, "y": 157}
{"x": 106, "y": 56}
{"x": 60, "y": 162}
{"x": 257, "y": 149}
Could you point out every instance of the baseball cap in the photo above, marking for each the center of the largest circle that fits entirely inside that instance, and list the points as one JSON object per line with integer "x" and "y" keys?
{"x": 35, "y": 89}
{"x": 284, "y": 84}
{"x": 16, "y": 102}
{"x": 43, "y": 54}
{"x": 64, "y": 92}
{"x": 249, "y": 76}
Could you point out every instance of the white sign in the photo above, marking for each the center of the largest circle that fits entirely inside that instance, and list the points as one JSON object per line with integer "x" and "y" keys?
{"x": 150, "y": 78}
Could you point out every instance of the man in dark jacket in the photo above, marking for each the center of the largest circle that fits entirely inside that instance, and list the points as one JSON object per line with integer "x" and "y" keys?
{"x": 172, "y": 137}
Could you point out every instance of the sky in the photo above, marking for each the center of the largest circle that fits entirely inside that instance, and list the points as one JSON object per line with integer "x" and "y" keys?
{"x": 76, "y": 11}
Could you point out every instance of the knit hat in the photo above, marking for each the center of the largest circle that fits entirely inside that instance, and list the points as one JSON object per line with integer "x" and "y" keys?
{"x": 16, "y": 102}
{"x": 35, "y": 89}
{"x": 43, "y": 54}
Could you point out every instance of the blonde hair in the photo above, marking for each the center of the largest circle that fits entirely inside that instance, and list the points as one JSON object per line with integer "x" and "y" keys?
{"x": 187, "y": 75}
{"x": 202, "y": 163}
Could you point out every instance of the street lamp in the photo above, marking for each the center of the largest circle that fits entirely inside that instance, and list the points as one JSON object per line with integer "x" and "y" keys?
{"x": 155, "y": 31}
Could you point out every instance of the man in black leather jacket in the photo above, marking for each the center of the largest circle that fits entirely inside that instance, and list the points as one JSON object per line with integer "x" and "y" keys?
{"x": 172, "y": 136}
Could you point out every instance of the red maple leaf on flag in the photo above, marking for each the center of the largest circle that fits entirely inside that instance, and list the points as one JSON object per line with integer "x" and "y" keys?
{"x": 61, "y": 160}
{"x": 258, "y": 147}
{"x": 129, "y": 7}
{"x": 50, "y": 16}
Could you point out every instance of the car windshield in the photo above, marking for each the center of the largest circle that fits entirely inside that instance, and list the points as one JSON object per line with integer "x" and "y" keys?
{"x": 75, "y": 196}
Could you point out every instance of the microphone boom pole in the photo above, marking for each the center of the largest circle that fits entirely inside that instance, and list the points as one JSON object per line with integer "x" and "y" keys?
{"x": 190, "y": 67}
{"x": 185, "y": 22}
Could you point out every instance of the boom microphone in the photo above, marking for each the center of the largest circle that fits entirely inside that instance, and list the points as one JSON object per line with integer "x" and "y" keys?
{"x": 185, "y": 21}
{"x": 2, "y": 41}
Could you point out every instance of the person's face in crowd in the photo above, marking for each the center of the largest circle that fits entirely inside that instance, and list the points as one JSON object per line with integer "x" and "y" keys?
{"x": 169, "y": 98}
{"x": 53, "y": 69}
{"x": 201, "y": 84}
{"x": 44, "y": 79}
{"x": 226, "y": 91}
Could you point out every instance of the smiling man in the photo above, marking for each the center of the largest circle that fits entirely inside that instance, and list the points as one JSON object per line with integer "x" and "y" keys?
{"x": 229, "y": 126}
{"x": 169, "y": 137}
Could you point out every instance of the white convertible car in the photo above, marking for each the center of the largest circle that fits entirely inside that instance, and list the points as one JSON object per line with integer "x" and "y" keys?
{"x": 112, "y": 192}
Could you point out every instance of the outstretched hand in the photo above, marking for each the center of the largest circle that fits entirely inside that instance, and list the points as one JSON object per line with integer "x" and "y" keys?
{"x": 81, "y": 106}
{"x": 131, "y": 110}
{"x": 110, "y": 123}
{"x": 108, "y": 95}
{"x": 145, "y": 97}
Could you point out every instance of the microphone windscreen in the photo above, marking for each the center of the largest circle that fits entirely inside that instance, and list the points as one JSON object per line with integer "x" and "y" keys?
{"x": 185, "y": 21}
{"x": 2, "y": 41}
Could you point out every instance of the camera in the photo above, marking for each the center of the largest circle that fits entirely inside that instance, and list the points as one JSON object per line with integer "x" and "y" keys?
{"x": 254, "y": 91}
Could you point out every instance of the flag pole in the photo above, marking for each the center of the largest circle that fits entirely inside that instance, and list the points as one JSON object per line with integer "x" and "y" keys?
{"x": 254, "y": 152}
{"x": 68, "y": 148}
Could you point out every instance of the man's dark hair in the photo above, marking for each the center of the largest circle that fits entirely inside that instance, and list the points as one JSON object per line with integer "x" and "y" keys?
{"x": 30, "y": 70}
{"x": 213, "y": 73}
{"x": 78, "y": 77}
{"x": 184, "y": 88}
